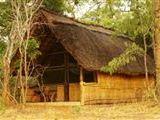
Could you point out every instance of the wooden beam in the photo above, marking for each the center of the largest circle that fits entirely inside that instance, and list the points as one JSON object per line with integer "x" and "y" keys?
{"x": 95, "y": 76}
{"x": 81, "y": 86}
{"x": 81, "y": 74}
{"x": 55, "y": 53}
{"x": 66, "y": 84}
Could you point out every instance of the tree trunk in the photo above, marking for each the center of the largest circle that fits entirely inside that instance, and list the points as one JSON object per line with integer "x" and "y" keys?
{"x": 6, "y": 91}
{"x": 145, "y": 57}
{"x": 157, "y": 43}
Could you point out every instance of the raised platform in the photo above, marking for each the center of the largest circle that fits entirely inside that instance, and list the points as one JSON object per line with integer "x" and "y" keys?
{"x": 54, "y": 104}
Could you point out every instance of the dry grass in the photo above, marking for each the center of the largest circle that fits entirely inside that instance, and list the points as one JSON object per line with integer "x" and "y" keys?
{"x": 134, "y": 111}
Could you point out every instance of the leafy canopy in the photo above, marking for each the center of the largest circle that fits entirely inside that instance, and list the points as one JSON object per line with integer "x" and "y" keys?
{"x": 129, "y": 55}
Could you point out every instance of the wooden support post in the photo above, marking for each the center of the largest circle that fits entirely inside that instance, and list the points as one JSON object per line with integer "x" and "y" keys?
{"x": 81, "y": 86}
{"x": 66, "y": 84}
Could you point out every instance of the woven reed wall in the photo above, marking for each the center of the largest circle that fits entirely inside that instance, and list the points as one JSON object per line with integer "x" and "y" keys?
{"x": 74, "y": 92}
{"x": 116, "y": 88}
{"x": 60, "y": 93}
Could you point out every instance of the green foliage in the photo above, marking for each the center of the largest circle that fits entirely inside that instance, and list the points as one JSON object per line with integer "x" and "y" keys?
{"x": 106, "y": 13}
{"x": 32, "y": 53}
{"x": 33, "y": 81}
{"x": 5, "y": 19}
{"x": 126, "y": 57}
{"x": 64, "y": 6}
{"x": 2, "y": 51}
{"x": 56, "y": 5}
{"x": 33, "y": 48}
{"x": 131, "y": 17}
{"x": 139, "y": 20}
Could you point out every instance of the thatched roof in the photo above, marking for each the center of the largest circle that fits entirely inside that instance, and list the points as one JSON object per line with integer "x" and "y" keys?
{"x": 92, "y": 46}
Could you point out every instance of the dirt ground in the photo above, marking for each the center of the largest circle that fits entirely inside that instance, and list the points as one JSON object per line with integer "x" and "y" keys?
{"x": 134, "y": 111}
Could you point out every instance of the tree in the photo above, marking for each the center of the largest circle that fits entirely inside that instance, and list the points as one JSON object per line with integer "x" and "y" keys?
{"x": 5, "y": 28}
{"x": 18, "y": 40}
{"x": 157, "y": 43}
{"x": 132, "y": 17}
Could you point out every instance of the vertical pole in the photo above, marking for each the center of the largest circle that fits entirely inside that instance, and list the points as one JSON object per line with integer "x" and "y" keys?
{"x": 66, "y": 84}
{"x": 157, "y": 46}
{"x": 81, "y": 86}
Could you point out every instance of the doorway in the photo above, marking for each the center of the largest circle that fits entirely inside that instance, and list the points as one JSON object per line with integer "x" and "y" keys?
{"x": 62, "y": 73}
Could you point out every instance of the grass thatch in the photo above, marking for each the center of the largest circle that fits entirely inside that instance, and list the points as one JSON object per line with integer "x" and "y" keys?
{"x": 92, "y": 46}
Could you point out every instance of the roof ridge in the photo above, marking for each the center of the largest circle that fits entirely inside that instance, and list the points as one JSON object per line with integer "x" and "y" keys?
{"x": 93, "y": 27}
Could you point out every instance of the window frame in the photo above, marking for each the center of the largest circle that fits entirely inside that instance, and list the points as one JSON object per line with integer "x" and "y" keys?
{"x": 94, "y": 73}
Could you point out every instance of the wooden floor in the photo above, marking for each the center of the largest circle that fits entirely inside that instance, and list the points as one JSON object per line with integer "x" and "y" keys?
{"x": 54, "y": 104}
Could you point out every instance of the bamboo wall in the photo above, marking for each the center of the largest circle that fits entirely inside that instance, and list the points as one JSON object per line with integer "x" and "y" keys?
{"x": 54, "y": 93}
{"x": 115, "y": 88}
{"x": 107, "y": 89}
{"x": 74, "y": 92}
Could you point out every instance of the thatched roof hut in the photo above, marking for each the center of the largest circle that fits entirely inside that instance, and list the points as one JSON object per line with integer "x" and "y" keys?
{"x": 91, "y": 47}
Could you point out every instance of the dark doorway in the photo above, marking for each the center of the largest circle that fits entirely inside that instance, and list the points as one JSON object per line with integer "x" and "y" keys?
{"x": 62, "y": 68}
